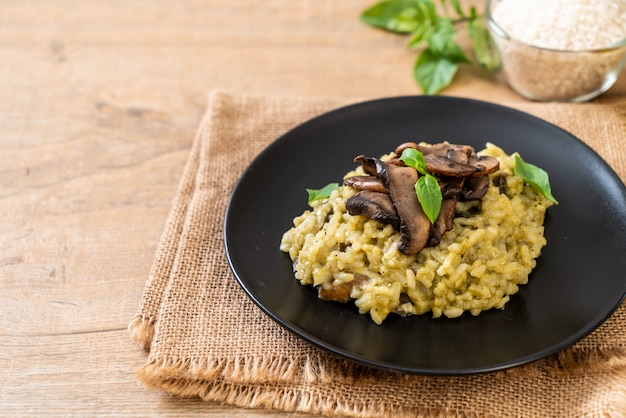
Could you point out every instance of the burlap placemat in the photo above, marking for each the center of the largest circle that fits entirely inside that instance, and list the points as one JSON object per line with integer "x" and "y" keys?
{"x": 207, "y": 339}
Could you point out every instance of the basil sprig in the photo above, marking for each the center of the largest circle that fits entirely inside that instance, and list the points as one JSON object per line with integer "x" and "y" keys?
{"x": 323, "y": 193}
{"x": 534, "y": 176}
{"x": 440, "y": 56}
{"x": 427, "y": 186}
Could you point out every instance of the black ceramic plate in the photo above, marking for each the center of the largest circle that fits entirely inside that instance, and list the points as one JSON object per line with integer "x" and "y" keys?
{"x": 580, "y": 278}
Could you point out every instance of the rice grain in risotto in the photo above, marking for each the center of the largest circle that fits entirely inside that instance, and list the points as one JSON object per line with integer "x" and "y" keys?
{"x": 478, "y": 264}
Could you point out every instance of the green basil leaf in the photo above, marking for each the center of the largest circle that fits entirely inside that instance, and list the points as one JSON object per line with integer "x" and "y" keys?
{"x": 485, "y": 51}
{"x": 400, "y": 16}
{"x": 433, "y": 72}
{"x": 415, "y": 159}
{"x": 534, "y": 176}
{"x": 323, "y": 193}
{"x": 441, "y": 42}
{"x": 457, "y": 7}
{"x": 473, "y": 12}
{"x": 421, "y": 35}
{"x": 429, "y": 19}
{"x": 429, "y": 196}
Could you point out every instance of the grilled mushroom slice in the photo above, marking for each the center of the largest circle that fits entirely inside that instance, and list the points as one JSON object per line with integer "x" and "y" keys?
{"x": 451, "y": 186}
{"x": 341, "y": 292}
{"x": 368, "y": 164}
{"x": 443, "y": 166}
{"x": 453, "y": 160}
{"x": 484, "y": 164}
{"x": 414, "y": 224}
{"x": 371, "y": 183}
{"x": 443, "y": 223}
{"x": 474, "y": 188}
{"x": 374, "y": 205}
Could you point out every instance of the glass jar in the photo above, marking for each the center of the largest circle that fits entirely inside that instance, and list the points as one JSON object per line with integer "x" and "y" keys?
{"x": 545, "y": 74}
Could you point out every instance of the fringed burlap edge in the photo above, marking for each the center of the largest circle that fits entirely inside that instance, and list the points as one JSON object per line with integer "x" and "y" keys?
{"x": 262, "y": 369}
{"x": 299, "y": 399}
{"x": 296, "y": 397}
{"x": 293, "y": 385}
{"x": 303, "y": 400}
{"x": 141, "y": 330}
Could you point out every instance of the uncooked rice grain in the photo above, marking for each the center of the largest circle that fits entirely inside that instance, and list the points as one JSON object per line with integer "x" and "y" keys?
{"x": 543, "y": 65}
{"x": 569, "y": 25}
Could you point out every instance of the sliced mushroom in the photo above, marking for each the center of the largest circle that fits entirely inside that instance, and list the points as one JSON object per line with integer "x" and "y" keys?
{"x": 452, "y": 159}
{"x": 451, "y": 186}
{"x": 402, "y": 147}
{"x": 341, "y": 292}
{"x": 440, "y": 165}
{"x": 371, "y": 183}
{"x": 368, "y": 164}
{"x": 500, "y": 183}
{"x": 414, "y": 224}
{"x": 374, "y": 205}
{"x": 444, "y": 221}
{"x": 443, "y": 149}
{"x": 484, "y": 164}
{"x": 458, "y": 153}
{"x": 475, "y": 188}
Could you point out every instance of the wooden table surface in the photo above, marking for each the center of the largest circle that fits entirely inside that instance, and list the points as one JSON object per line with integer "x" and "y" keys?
{"x": 99, "y": 104}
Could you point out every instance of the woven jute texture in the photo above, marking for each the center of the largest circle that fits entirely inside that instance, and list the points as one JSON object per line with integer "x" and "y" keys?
{"x": 207, "y": 339}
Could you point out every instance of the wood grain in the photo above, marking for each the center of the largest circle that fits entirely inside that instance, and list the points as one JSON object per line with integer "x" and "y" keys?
{"x": 98, "y": 108}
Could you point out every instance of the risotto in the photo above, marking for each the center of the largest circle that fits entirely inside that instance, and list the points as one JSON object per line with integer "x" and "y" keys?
{"x": 477, "y": 265}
